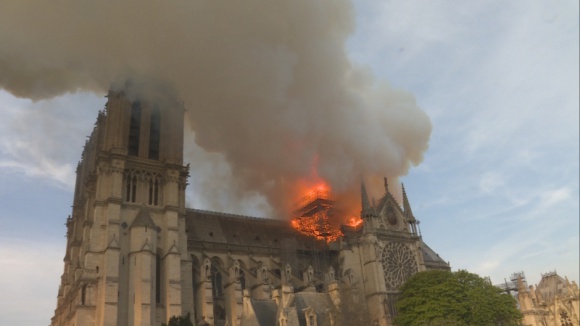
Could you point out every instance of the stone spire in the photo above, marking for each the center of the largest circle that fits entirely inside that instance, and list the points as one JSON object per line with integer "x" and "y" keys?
{"x": 386, "y": 186}
{"x": 409, "y": 213}
{"x": 406, "y": 205}
{"x": 366, "y": 209}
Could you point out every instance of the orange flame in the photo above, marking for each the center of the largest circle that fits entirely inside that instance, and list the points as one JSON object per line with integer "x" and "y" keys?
{"x": 354, "y": 221}
{"x": 314, "y": 214}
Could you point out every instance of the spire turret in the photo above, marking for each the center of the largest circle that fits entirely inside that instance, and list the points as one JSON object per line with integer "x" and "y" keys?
{"x": 386, "y": 186}
{"x": 366, "y": 210}
{"x": 409, "y": 213}
{"x": 406, "y": 205}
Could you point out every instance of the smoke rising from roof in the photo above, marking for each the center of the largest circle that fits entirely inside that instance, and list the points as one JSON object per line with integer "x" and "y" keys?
{"x": 273, "y": 99}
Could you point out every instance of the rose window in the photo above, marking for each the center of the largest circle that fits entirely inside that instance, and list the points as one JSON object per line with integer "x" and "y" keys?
{"x": 398, "y": 264}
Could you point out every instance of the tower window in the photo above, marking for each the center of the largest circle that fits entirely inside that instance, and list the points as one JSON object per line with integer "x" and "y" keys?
{"x": 154, "y": 134}
{"x": 135, "y": 129}
{"x": 130, "y": 188}
{"x": 154, "y": 190}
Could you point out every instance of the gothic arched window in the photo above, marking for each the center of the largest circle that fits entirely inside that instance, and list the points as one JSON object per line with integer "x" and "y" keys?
{"x": 242, "y": 280}
{"x": 154, "y": 134}
{"x": 154, "y": 190}
{"x": 135, "y": 129}
{"x": 131, "y": 187}
{"x": 216, "y": 282}
{"x": 217, "y": 291}
{"x": 158, "y": 278}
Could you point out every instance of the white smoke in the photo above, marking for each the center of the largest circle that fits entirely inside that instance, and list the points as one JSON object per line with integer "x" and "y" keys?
{"x": 272, "y": 96}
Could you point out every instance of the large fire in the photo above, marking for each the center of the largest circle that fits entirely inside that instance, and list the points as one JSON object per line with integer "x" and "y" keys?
{"x": 316, "y": 216}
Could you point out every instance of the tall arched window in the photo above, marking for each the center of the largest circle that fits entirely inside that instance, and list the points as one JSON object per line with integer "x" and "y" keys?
{"x": 216, "y": 282}
{"x": 135, "y": 129}
{"x": 195, "y": 272}
{"x": 242, "y": 280}
{"x": 157, "y": 278}
{"x": 84, "y": 294}
{"x": 130, "y": 186}
{"x": 154, "y": 134}
{"x": 153, "y": 190}
{"x": 242, "y": 277}
{"x": 219, "y": 311}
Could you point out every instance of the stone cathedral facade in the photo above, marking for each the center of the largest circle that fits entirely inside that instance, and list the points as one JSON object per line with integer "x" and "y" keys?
{"x": 555, "y": 301}
{"x": 135, "y": 255}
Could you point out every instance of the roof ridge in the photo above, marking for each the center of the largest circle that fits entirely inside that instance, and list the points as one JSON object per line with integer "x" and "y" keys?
{"x": 230, "y": 215}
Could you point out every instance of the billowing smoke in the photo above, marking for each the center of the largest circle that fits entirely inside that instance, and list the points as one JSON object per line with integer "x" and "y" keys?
{"x": 274, "y": 103}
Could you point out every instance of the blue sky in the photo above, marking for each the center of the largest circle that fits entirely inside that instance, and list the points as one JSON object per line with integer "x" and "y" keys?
{"x": 496, "y": 193}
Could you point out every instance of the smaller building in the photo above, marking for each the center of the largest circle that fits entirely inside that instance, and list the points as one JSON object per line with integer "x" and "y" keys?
{"x": 553, "y": 302}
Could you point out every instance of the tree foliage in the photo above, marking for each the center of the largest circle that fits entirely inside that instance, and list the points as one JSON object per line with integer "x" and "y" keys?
{"x": 454, "y": 298}
{"x": 179, "y": 321}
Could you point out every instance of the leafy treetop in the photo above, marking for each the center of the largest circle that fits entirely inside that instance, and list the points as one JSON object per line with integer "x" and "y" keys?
{"x": 454, "y": 298}
{"x": 179, "y": 321}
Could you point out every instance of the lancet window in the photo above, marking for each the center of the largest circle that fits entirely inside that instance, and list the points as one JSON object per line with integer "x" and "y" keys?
{"x": 216, "y": 282}
{"x": 135, "y": 129}
{"x": 153, "y": 193}
{"x": 154, "y": 134}
{"x": 141, "y": 186}
{"x": 242, "y": 280}
{"x": 216, "y": 278}
{"x": 157, "y": 278}
{"x": 130, "y": 187}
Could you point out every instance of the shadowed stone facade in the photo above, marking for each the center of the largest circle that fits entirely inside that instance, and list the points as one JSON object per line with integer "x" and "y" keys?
{"x": 136, "y": 255}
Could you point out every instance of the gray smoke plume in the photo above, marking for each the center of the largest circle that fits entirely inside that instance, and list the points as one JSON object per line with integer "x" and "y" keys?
{"x": 273, "y": 100}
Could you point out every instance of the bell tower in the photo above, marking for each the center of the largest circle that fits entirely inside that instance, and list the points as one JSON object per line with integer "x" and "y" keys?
{"x": 126, "y": 258}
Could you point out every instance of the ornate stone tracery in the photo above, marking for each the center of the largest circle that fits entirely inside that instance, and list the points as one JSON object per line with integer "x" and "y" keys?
{"x": 399, "y": 264}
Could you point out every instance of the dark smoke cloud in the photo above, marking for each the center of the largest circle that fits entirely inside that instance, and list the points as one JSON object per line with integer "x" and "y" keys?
{"x": 272, "y": 96}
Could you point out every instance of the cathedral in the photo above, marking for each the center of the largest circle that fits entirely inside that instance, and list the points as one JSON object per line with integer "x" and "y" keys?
{"x": 555, "y": 301}
{"x": 135, "y": 255}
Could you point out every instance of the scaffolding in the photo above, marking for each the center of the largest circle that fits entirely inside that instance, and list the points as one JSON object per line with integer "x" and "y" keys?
{"x": 314, "y": 214}
{"x": 511, "y": 286}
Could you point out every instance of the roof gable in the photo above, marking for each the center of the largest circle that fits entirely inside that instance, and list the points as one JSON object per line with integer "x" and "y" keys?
{"x": 143, "y": 219}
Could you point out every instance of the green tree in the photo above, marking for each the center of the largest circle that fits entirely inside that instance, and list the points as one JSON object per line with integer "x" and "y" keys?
{"x": 179, "y": 321}
{"x": 459, "y": 298}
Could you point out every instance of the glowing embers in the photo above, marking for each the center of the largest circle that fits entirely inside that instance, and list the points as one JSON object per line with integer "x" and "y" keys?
{"x": 314, "y": 216}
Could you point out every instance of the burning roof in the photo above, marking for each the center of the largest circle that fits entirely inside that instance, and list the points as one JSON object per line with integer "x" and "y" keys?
{"x": 316, "y": 215}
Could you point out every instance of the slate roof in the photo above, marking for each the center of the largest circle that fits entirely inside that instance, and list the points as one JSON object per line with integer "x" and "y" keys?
{"x": 432, "y": 259}
{"x": 320, "y": 302}
{"x": 206, "y": 228}
{"x": 265, "y": 311}
{"x": 222, "y": 228}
